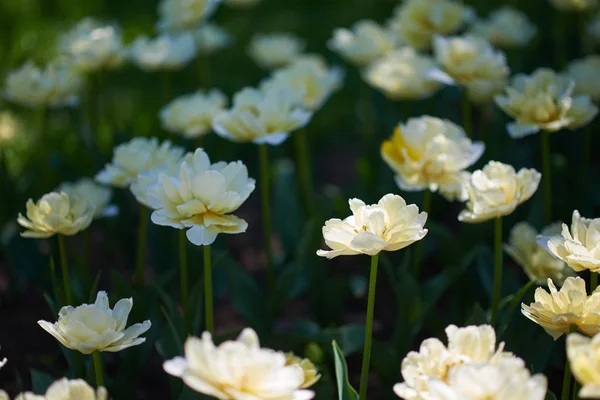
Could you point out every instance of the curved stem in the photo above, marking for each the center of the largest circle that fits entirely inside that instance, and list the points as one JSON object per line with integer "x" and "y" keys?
{"x": 304, "y": 171}
{"x": 547, "y": 177}
{"x": 141, "y": 246}
{"x": 426, "y": 207}
{"x": 566, "y": 386}
{"x": 208, "y": 292}
{"x": 266, "y": 210}
{"x": 65, "y": 269}
{"x": 466, "y": 114}
{"x": 98, "y": 368}
{"x": 364, "y": 376}
{"x": 183, "y": 276}
{"x": 497, "y": 269}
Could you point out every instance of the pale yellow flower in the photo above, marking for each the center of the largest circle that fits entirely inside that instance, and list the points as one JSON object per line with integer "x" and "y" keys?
{"x": 429, "y": 153}
{"x": 536, "y": 260}
{"x": 389, "y": 225}
{"x": 56, "y": 213}
{"x": 9, "y": 127}
{"x": 165, "y": 52}
{"x": 497, "y": 190}
{"x": 92, "y": 45}
{"x": 403, "y": 75}
{"x": 192, "y": 115}
{"x": 417, "y": 21}
{"x": 311, "y": 375}
{"x": 241, "y": 3}
{"x": 96, "y": 327}
{"x": 145, "y": 180}
{"x": 211, "y": 38}
{"x": 261, "y": 117}
{"x": 274, "y": 50}
{"x": 95, "y": 195}
{"x": 201, "y": 198}
{"x": 584, "y": 359}
{"x": 557, "y": 311}
{"x": 134, "y": 157}
{"x": 181, "y": 15}
{"x": 65, "y": 389}
{"x": 471, "y": 62}
{"x": 584, "y": 72}
{"x": 55, "y": 85}
{"x": 238, "y": 370}
{"x": 579, "y": 247}
{"x": 434, "y": 360}
{"x": 4, "y": 395}
{"x": 506, "y": 28}
{"x": 574, "y": 5}
{"x": 544, "y": 101}
{"x": 364, "y": 43}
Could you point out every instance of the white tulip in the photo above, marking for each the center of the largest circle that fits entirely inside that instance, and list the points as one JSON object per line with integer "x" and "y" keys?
{"x": 165, "y": 52}
{"x": 95, "y": 195}
{"x": 505, "y": 28}
{"x": 211, "y": 38}
{"x": 274, "y": 50}
{"x": 363, "y": 44}
{"x": 181, "y": 15}
{"x": 583, "y": 72}
{"x": 65, "y": 389}
{"x": 192, "y": 115}
{"x": 584, "y": 359}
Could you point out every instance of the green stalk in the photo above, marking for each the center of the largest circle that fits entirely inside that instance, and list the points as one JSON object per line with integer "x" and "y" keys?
{"x": 547, "y": 177}
{"x": 183, "y": 276}
{"x": 98, "y": 368}
{"x": 566, "y": 386}
{"x": 587, "y": 165}
{"x": 561, "y": 37}
{"x": 266, "y": 210}
{"x": 364, "y": 376}
{"x": 167, "y": 86}
{"x": 426, "y": 207}
{"x": 497, "y": 269}
{"x": 593, "y": 281}
{"x": 576, "y": 388}
{"x": 208, "y": 292}
{"x": 65, "y": 269}
{"x": 304, "y": 170}
{"x": 141, "y": 246}
{"x": 467, "y": 117}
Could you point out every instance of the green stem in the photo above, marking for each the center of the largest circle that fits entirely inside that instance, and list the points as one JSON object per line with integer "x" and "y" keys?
{"x": 593, "y": 281}
{"x": 65, "y": 269}
{"x": 304, "y": 170}
{"x": 98, "y": 368}
{"x": 566, "y": 386}
{"x": 183, "y": 276}
{"x": 208, "y": 292}
{"x": 467, "y": 117}
{"x": 561, "y": 39}
{"x": 497, "y": 269}
{"x": 87, "y": 261}
{"x": 426, "y": 207}
{"x": 167, "y": 86}
{"x": 576, "y": 388}
{"x": 364, "y": 376}
{"x": 141, "y": 246}
{"x": 547, "y": 177}
{"x": 266, "y": 210}
{"x": 587, "y": 165}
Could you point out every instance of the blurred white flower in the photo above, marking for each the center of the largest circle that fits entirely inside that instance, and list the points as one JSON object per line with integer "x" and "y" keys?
{"x": 211, "y": 38}
{"x": 95, "y": 195}
{"x": 417, "y": 21}
{"x": 389, "y": 225}
{"x": 181, "y": 15}
{"x": 584, "y": 72}
{"x": 497, "y": 190}
{"x": 261, "y": 117}
{"x": 96, "y": 327}
{"x": 201, "y": 198}
{"x": 134, "y": 157}
{"x": 241, "y": 3}
{"x": 92, "y": 45}
{"x": 584, "y": 359}
{"x": 274, "y": 50}
{"x": 234, "y": 369}
{"x": 403, "y": 75}
{"x": 9, "y": 127}
{"x": 165, "y": 52}
{"x": 574, "y": 5}
{"x": 192, "y": 115}
{"x": 506, "y": 28}
{"x": 65, "y": 389}
{"x": 364, "y": 43}
{"x": 56, "y": 213}
{"x": 429, "y": 153}
{"x": 56, "y": 85}
{"x": 471, "y": 62}
{"x": 536, "y": 260}
{"x": 544, "y": 101}
{"x": 141, "y": 185}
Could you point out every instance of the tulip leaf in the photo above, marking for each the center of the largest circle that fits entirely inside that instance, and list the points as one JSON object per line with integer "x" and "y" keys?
{"x": 40, "y": 381}
{"x": 345, "y": 390}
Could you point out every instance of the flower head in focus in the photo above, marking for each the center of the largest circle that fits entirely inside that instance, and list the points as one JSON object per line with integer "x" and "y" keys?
{"x": 584, "y": 72}
{"x": 536, "y": 261}
{"x": 56, "y": 85}
{"x": 257, "y": 116}
{"x": 389, "y": 225}
{"x": 165, "y": 52}
{"x": 403, "y": 75}
{"x": 192, "y": 115}
{"x": 506, "y": 28}
{"x": 416, "y": 22}
{"x": 497, "y": 190}
{"x": 96, "y": 327}
{"x": 544, "y": 101}
{"x": 364, "y": 43}
{"x": 65, "y": 389}
{"x": 134, "y": 157}
{"x": 471, "y": 62}
{"x": 558, "y": 310}
{"x": 56, "y": 213}
{"x": 201, "y": 198}
{"x": 95, "y": 195}
{"x": 584, "y": 359}
{"x": 92, "y": 45}
{"x": 275, "y": 50}
{"x": 311, "y": 375}
{"x": 574, "y": 5}
{"x": 241, "y": 3}
{"x": 182, "y": 15}
{"x": 211, "y": 38}
{"x": 429, "y": 153}
{"x": 235, "y": 369}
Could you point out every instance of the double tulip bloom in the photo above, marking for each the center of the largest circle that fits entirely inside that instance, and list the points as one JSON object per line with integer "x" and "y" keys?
{"x": 505, "y": 28}
{"x": 211, "y": 38}
{"x": 364, "y": 43}
{"x": 583, "y": 72}
{"x": 64, "y": 389}
{"x": 584, "y": 359}
{"x": 275, "y": 50}
{"x": 98, "y": 197}
{"x": 165, "y": 52}
{"x": 181, "y": 15}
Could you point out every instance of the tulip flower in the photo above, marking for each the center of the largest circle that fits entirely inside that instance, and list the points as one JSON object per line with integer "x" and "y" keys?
{"x": 211, "y": 38}
{"x": 98, "y": 197}
{"x": 65, "y": 389}
{"x": 165, "y": 52}
{"x": 182, "y": 15}
{"x": 505, "y": 28}
{"x": 364, "y": 43}
{"x": 584, "y": 359}
{"x": 274, "y": 50}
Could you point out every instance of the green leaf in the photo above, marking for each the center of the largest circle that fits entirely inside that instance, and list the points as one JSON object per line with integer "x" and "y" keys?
{"x": 478, "y": 317}
{"x": 94, "y": 289}
{"x": 40, "y": 381}
{"x": 345, "y": 390}
{"x": 551, "y": 396}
